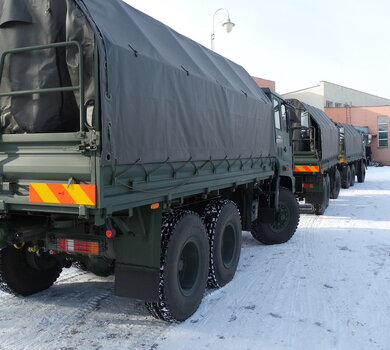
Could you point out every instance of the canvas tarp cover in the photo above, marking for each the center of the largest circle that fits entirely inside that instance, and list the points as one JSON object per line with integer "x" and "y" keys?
{"x": 353, "y": 141}
{"x": 30, "y": 23}
{"x": 329, "y": 137}
{"x": 166, "y": 97}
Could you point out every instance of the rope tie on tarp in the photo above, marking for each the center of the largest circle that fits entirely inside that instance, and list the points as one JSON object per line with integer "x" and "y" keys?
{"x": 243, "y": 162}
{"x": 134, "y": 50}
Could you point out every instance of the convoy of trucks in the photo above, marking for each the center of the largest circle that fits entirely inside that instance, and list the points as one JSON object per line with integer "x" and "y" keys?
{"x": 327, "y": 155}
{"x": 141, "y": 153}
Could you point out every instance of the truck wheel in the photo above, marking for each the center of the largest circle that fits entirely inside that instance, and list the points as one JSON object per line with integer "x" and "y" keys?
{"x": 334, "y": 193}
{"x": 24, "y": 273}
{"x": 319, "y": 208}
{"x": 346, "y": 177}
{"x": 184, "y": 266}
{"x": 361, "y": 172}
{"x": 286, "y": 221}
{"x": 353, "y": 175}
{"x": 223, "y": 224}
{"x": 100, "y": 266}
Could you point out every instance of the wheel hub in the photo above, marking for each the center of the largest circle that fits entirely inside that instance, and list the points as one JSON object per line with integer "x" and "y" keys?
{"x": 282, "y": 218}
{"x": 228, "y": 246}
{"x": 188, "y": 267}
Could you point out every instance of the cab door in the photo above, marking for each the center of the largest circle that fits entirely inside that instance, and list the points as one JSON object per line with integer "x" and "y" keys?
{"x": 283, "y": 139}
{"x": 278, "y": 127}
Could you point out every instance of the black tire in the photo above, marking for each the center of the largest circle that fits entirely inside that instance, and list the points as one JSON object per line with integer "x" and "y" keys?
{"x": 184, "y": 266}
{"x": 286, "y": 221}
{"x": 334, "y": 193}
{"x": 346, "y": 177}
{"x": 353, "y": 175}
{"x": 223, "y": 224}
{"x": 24, "y": 273}
{"x": 319, "y": 208}
{"x": 361, "y": 172}
{"x": 100, "y": 266}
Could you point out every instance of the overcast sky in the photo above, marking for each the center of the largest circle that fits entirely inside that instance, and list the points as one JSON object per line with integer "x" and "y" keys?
{"x": 295, "y": 43}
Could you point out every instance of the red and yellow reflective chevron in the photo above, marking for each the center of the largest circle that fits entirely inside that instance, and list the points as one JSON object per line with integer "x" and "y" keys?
{"x": 307, "y": 168}
{"x": 62, "y": 193}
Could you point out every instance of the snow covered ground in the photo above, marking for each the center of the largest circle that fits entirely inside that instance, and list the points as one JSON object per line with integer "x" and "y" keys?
{"x": 327, "y": 288}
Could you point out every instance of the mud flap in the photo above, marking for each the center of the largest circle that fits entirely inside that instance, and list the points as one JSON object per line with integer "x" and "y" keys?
{"x": 137, "y": 282}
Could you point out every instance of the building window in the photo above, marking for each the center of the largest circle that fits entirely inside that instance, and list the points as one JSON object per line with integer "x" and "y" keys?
{"x": 383, "y": 131}
{"x": 338, "y": 104}
{"x": 329, "y": 104}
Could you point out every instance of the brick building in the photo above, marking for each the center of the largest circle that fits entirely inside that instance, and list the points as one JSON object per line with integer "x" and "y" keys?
{"x": 264, "y": 83}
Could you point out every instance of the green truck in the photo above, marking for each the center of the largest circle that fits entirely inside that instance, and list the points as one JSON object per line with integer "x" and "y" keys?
{"x": 327, "y": 155}
{"x": 316, "y": 156}
{"x": 367, "y": 139}
{"x": 131, "y": 150}
{"x": 352, "y": 155}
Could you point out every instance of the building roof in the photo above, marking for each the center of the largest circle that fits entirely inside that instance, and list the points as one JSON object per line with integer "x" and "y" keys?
{"x": 292, "y": 92}
{"x": 345, "y": 87}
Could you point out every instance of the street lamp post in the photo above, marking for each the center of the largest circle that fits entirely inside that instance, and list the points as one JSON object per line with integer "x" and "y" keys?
{"x": 228, "y": 25}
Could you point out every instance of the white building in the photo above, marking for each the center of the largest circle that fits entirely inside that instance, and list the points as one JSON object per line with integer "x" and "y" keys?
{"x": 332, "y": 95}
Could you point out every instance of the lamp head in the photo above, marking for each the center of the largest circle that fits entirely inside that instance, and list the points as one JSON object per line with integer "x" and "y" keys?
{"x": 228, "y": 25}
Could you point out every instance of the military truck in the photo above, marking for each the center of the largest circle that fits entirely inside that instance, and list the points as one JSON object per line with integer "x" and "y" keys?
{"x": 367, "y": 139}
{"x": 316, "y": 150}
{"x": 352, "y": 155}
{"x": 130, "y": 149}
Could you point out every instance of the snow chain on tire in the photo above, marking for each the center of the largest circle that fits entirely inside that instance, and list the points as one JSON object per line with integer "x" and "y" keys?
{"x": 170, "y": 219}
{"x": 210, "y": 217}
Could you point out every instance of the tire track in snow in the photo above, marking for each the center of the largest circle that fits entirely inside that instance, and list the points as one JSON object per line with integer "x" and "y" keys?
{"x": 40, "y": 309}
{"x": 68, "y": 325}
{"x": 64, "y": 316}
{"x": 321, "y": 307}
{"x": 330, "y": 267}
{"x": 311, "y": 308}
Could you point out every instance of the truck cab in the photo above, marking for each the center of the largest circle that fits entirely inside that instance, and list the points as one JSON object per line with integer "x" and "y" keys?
{"x": 282, "y": 114}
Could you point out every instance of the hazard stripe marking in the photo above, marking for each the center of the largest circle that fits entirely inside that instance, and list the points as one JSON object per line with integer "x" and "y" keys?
{"x": 78, "y": 195}
{"x": 34, "y": 196}
{"x": 62, "y": 193}
{"x": 307, "y": 168}
{"x": 45, "y": 193}
{"x": 90, "y": 191}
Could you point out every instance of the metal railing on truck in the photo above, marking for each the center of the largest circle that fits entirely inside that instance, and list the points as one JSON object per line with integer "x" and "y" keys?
{"x": 79, "y": 87}
{"x": 307, "y": 139}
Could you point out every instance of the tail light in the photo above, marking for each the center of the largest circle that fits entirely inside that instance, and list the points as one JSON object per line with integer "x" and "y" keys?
{"x": 78, "y": 246}
{"x": 110, "y": 233}
{"x": 308, "y": 185}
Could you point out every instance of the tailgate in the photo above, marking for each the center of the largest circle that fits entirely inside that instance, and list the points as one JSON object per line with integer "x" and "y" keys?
{"x": 47, "y": 172}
